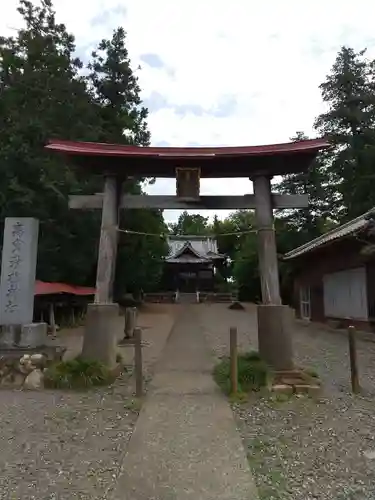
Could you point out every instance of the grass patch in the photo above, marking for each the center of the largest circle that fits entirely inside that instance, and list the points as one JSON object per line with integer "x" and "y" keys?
{"x": 253, "y": 373}
{"x": 133, "y": 405}
{"x": 77, "y": 373}
{"x": 311, "y": 372}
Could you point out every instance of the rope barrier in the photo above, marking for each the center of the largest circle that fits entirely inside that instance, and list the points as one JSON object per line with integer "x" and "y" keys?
{"x": 168, "y": 235}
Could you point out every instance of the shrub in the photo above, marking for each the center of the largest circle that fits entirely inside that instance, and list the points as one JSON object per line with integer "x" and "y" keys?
{"x": 77, "y": 373}
{"x": 253, "y": 373}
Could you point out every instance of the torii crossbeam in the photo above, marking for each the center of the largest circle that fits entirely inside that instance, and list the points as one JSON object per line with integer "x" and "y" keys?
{"x": 188, "y": 166}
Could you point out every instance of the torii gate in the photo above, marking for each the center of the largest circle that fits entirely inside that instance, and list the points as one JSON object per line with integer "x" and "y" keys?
{"x": 188, "y": 165}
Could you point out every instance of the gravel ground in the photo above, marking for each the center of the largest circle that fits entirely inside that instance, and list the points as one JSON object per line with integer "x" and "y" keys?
{"x": 300, "y": 448}
{"x": 63, "y": 445}
{"x": 69, "y": 445}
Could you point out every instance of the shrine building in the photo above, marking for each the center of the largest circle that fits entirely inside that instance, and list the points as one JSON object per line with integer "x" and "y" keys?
{"x": 191, "y": 264}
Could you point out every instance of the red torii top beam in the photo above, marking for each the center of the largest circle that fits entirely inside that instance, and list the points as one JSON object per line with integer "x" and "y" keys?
{"x": 233, "y": 161}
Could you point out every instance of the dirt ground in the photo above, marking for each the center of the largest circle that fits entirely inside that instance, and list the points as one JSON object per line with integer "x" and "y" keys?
{"x": 301, "y": 448}
{"x": 70, "y": 445}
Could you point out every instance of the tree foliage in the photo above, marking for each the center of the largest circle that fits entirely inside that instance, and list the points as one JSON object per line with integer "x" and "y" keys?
{"x": 44, "y": 95}
{"x": 349, "y": 94}
{"x": 193, "y": 224}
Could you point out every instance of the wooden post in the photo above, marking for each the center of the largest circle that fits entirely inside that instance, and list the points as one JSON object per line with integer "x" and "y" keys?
{"x": 130, "y": 322}
{"x": 233, "y": 361}
{"x": 108, "y": 242}
{"x": 267, "y": 254}
{"x": 138, "y": 362}
{"x": 353, "y": 360}
{"x": 52, "y": 322}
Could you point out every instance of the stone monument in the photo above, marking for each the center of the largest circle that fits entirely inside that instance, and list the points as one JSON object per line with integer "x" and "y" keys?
{"x": 18, "y": 268}
{"x": 17, "y": 284}
{"x": 24, "y": 350}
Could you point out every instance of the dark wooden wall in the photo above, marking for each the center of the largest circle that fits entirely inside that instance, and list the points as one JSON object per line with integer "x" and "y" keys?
{"x": 310, "y": 268}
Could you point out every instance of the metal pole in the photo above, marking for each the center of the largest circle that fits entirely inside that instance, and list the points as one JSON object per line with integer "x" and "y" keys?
{"x": 353, "y": 360}
{"x": 138, "y": 362}
{"x": 233, "y": 360}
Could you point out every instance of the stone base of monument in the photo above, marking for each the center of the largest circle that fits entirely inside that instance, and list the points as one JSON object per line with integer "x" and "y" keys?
{"x": 100, "y": 338}
{"x": 24, "y": 350}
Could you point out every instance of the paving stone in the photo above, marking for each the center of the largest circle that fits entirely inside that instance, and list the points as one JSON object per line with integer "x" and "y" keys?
{"x": 185, "y": 444}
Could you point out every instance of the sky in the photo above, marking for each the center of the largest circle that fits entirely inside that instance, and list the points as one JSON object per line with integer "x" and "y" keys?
{"x": 214, "y": 72}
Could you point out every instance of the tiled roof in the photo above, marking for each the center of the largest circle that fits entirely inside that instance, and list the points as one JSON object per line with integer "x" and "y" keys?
{"x": 201, "y": 249}
{"x": 339, "y": 232}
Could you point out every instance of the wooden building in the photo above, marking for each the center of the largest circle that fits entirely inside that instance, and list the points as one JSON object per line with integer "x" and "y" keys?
{"x": 334, "y": 275}
{"x": 191, "y": 263}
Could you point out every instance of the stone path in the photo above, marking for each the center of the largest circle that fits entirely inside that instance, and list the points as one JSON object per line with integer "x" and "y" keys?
{"x": 185, "y": 444}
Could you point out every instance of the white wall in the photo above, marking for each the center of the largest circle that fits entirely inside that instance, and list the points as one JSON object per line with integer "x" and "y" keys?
{"x": 345, "y": 294}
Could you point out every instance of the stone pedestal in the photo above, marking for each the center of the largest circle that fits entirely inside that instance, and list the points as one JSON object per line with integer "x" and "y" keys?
{"x": 100, "y": 339}
{"x": 33, "y": 335}
{"x": 7, "y": 336}
{"x": 274, "y": 336}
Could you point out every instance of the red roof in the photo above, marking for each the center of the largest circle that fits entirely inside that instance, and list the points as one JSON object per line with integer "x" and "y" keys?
{"x": 44, "y": 288}
{"x": 213, "y": 161}
{"x": 104, "y": 149}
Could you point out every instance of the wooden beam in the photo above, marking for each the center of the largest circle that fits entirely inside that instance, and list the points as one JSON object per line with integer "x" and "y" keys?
{"x": 247, "y": 201}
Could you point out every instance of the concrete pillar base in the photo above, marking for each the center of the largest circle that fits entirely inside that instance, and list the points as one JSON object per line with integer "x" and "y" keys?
{"x": 274, "y": 336}
{"x": 100, "y": 339}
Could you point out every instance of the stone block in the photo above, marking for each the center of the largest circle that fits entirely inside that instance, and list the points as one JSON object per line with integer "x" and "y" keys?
{"x": 7, "y": 336}
{"x": 35, "y": 380}
{"x": 100, "y": 338}
{"x": 33, "y": 335}
{"x": 309, "y": 389}
{"x": 282, "y": 389}
{"x": 274, "y": 336}
{"x": 18, "y": 266}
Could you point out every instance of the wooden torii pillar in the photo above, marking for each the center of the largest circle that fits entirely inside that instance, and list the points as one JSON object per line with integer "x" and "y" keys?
{"x": 274, "y": 319}
{"x": 100, "y": 339}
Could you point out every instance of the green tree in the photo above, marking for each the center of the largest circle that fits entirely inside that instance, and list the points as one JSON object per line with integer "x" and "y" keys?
{"x": 43, "y": 96}
{"x": 310, "y": 222}
{"x": 116, "y": 91}
{"x": 193, "y": 224}
{"x": 246, "y": 270}
{"x": 348, "y": 91}
{"x": 140, "y": 256}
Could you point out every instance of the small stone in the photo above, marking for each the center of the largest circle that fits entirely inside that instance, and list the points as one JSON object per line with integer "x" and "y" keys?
{"x": 38, "y": 360}
{"x": 25, "y": 358}
{"x": 370, "y": 454}
{"x": 282, "y": 389}
{"x": 35, "y": 380}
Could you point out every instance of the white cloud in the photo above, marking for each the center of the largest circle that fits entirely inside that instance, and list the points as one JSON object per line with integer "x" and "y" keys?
{"x": 269, "y": 56}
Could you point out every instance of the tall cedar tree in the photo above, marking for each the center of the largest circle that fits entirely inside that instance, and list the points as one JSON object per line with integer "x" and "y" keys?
{"x": 311, "y": 222}
{"x": 42, "y": 96}
{"x": 115, "y": 89}
{"x": 349, "y": 124}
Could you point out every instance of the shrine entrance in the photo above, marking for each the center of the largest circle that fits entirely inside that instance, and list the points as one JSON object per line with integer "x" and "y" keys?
{"x": 188, "y": 165}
